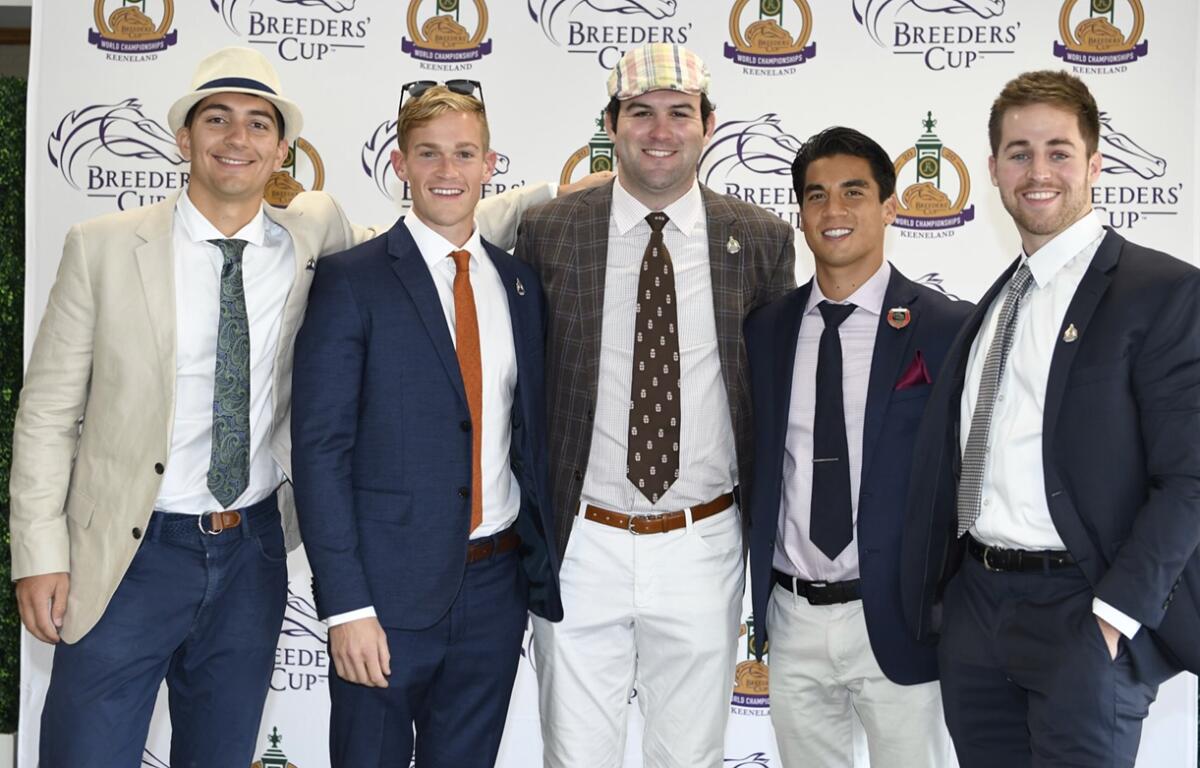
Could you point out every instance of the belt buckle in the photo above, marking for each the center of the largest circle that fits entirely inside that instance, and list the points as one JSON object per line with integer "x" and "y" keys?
{"x": 629, "y": 525}
{"x": 988, "y": 566}
{"x": 200, "y": 524}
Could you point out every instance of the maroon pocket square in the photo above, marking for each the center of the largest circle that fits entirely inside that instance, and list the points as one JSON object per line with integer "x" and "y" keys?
{"x": 915, "y": 375}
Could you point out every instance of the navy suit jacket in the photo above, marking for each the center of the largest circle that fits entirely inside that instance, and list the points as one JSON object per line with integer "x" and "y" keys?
{"x": 888, "y": 433}
{"x": 1120, "y": 449}
{"x": 381, "y": 442}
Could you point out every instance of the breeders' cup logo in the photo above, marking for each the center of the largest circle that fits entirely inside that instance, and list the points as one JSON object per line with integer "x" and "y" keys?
{"x": 302, "y": 162}
{"x": 750, "y": 681}
{"x": 934, "y": 280}
{"x": 274, "y": 756}
{"x": 298, "y": 30}
{"x": 442, "y": 37}
{"x": 766, "y": 45}
{"x": 928, "y": 29}
{"x": 926, "y": 208}
{"x": 115, "y": 151}
{"x": 376, "y": 163}
{"x": 598, "y": 154}
{"x": 1092, "y": 33}
{"x": 607, "y": 28}
{"x": 752, "y": 160}
{"x": 301, "y": 657}
{"x": 133, "y": 30}
{"x": 753, "y": 760}
{"x": 1132, "y": 187}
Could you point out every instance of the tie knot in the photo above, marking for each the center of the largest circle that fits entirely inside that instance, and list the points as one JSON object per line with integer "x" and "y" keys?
{"x": 1021, "y": 279}
{"x": 657, "y": 220}
{"x": 230, "y": 248}
{"x": 462, "y": 261}
{"x": 835, "y": 314}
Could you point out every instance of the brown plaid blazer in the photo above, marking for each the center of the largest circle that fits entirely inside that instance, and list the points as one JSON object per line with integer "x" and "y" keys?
{"x": 566, "y": 240}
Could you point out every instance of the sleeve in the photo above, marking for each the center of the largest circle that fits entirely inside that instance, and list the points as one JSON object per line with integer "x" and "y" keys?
{"x": 498, "y": 216}
{"x": 46, "y": 432}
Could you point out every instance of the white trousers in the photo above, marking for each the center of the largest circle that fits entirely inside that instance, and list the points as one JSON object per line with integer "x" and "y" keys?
{"x": 655, "y": 614}
{"x": 827, "y": 689}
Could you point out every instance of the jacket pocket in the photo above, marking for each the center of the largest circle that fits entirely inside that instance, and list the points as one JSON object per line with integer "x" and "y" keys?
{"x": 80, "y": 508}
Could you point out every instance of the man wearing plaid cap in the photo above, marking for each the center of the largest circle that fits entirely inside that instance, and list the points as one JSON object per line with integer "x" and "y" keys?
{"x": 648, "y": 280}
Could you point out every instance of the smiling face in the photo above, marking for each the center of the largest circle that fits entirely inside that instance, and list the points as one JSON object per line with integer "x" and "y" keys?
{"x": 234, "y": 145}
{"x": 1043, "y": 171}
{"x": 445, "y": 164}
{"x": 658, "y": 139}
{"x": 843, "y": 218}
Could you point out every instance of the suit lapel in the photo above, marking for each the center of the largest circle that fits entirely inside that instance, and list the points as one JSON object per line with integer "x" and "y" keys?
{"x": 156, "y": 267}
{"x": 587, "y": 251}
{"x": 894, "y": 347}
{"x": 785, "y": 365}
{"x": 510, "y": 280}
{"x": 303, "y": 255}
{"x": 1079, "y": 313}
{"x": 414, "y": 275}
{"x": 726, "y": 271}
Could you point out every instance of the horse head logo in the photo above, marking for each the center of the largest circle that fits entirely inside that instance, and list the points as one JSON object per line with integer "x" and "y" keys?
{"x": 336, "y": 6}
{"x": 872, "y": 13}
{"x": 376, "y": 158}
{"x": 753, "y": 760}
{"x": 119, "y": 130}
{"x": 300, "y": 619}
{"x": 1123, "y": 155}
{"x": 934, "y": 281}
{"x": 759, "y": 145}
{"x": 547, "y": 12}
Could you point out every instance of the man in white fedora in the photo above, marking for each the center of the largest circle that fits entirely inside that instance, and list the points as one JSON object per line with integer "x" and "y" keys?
{"x": 151, "y": 448}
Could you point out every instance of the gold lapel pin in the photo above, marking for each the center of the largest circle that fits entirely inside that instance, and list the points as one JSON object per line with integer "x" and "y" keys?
{"x": 1071, "y": 334}
{"x": 898, "y": 317}
{"x": 520, "y": 287}
{"x": 732, "y": 245}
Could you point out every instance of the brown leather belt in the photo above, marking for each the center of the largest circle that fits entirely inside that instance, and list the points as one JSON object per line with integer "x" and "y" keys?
{"x": 658, "y": 523}
{"x": 505, "y": 541}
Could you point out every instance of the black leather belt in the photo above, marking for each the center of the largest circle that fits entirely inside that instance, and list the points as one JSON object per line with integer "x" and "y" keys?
{"x": 819, "y": 592}
{"x": 1019, "y": 560}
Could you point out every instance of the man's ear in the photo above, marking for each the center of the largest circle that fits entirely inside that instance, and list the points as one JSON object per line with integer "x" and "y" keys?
{"x": 183, "y": 140}
{"x": 399, "y": 165}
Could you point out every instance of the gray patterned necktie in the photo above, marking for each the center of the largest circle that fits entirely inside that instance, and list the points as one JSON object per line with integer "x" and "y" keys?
{"x": 229, "y": 466}
{"x": 970, "y": 483}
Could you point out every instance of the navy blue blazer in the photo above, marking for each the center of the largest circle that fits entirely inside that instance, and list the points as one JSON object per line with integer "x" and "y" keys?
{"x": 381, "y": 442}
{"x": 889, "y": 430}
{"x": 1120, "y": 449}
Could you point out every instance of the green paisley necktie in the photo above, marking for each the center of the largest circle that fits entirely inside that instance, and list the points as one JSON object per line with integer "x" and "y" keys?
{"x": 229, "y": 467}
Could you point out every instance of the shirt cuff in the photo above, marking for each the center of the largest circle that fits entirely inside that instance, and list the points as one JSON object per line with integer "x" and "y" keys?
{"x": 343, "y": 618}
{"x": 1125, "y": 625}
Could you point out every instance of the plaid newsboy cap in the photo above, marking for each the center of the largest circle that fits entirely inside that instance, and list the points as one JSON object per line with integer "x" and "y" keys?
{"x": 658, "y": 67}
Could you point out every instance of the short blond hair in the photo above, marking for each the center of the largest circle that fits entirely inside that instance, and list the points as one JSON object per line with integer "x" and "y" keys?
{"x": 434, "y": 103}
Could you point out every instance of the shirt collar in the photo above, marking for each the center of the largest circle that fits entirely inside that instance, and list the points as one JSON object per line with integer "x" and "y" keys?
{"x": 434, "y": 248}
{"x": 1066, "y": 245}
{"x": 684, "y": 213}
{"x": 869, "y": 296}
{"x": 200, "y": 230}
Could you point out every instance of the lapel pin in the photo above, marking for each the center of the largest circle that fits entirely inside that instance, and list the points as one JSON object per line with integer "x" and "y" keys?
{"x": 732, "y": 245}
{"x": 1070, "y": 334}
{"x": 898, "y": 317}
{"x": 520, "y": 287}
{"x": 311, "y": 265}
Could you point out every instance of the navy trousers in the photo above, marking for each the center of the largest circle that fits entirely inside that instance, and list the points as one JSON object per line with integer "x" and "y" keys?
{"x": 451, "y": 681}
{"x": 1026, "y": 676}
{"x": 201, "y": 611}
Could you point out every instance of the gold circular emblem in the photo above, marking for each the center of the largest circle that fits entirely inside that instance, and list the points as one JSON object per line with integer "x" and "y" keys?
{"x": 765, "y": 35}
{"x": 444, "y": 35}
{"x": 751, "y": 679}
{"x": 129, "y": 23}
{"x": 282, "y": 187}
{"x": 928, "y": 167}
{"x": 1095, "y": 29}
{"x": 924, "y": 200}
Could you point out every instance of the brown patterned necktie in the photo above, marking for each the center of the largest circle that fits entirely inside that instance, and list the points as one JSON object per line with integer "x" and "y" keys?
{"x": 652, "y": 458}
{"x": 466, "y": 341}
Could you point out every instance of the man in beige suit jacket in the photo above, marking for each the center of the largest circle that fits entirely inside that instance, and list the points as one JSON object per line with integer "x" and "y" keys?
{"x": 153, "y": 437}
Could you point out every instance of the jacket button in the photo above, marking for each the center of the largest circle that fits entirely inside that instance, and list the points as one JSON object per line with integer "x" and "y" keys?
{"x": 578, "y": 475}
{"x": 464, "y": 492}
{"x": 158, "y": 468}
{"x": 137, "y": 533}
{"x": 590, "y": 413}
{"x": 517, "y": 465}
{"x": 465, "y": 426}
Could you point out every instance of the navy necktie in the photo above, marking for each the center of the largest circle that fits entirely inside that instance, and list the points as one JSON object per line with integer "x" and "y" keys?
{"x": 831, "y": 524}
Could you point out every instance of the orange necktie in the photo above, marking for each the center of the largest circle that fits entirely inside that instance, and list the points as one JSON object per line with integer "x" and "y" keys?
{"x": 466, "y": 339}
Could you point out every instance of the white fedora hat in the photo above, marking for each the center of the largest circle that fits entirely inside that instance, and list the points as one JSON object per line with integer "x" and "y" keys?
{"x": 237, "y": 70}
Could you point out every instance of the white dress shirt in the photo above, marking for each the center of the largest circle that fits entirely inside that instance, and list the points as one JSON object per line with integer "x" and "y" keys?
{"x": 707, "y": 457}
{"x": 268, "y": 270}
{"x": 498, "y": 359}
{"x": 1013, "y": 509}
{"x": 795, "y": 553}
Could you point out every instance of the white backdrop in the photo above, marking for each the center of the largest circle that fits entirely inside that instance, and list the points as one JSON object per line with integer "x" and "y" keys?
{"x": 918, "y": 75}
